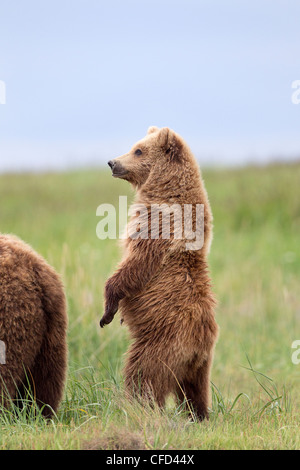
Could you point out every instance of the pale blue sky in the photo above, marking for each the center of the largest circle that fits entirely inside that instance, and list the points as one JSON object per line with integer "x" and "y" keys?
{"x": 85, "y": 78}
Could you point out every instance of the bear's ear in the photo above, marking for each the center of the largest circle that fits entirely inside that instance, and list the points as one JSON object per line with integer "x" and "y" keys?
{"x": 152, "y": 129}
{"x": 163, "y": 137}
{"x": 172, "y": 144}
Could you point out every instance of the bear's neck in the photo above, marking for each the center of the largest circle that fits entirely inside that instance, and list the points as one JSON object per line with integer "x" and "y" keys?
{"x": 181, "y": 185}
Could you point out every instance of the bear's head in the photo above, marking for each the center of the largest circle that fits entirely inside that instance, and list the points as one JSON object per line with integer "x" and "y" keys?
{"x": 153, "y": 153}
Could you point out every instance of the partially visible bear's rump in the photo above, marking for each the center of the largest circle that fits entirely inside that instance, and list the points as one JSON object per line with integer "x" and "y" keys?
{"x": 33, "y": 327}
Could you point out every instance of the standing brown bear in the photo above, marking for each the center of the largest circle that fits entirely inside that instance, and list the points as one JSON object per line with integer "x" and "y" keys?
{"x": 33, "y": 326}
{"x": 162, "y": 285}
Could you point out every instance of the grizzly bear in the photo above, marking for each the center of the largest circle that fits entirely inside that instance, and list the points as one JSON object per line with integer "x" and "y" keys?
{"x": 33, "y": 326}
{"x": 162, "y": 286}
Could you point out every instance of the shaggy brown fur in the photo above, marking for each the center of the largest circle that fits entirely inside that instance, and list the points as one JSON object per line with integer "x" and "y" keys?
{"x": 33, "y": 324}
{"x": 162, "y": 289}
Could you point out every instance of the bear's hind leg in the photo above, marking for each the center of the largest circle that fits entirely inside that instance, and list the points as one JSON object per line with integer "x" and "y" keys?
{"x": 50, "y": 365}
{"x": 48, "y": 374}
{"x": 196, "y": 390}
{"x": 144, "y": 378}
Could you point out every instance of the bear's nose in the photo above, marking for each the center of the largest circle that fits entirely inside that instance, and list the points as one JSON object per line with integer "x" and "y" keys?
{"x": 111, "y": 163}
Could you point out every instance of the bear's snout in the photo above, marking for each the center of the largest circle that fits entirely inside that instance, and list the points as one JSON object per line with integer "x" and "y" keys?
{"x": 117, "y": 168}
{"x": 111, "y": 163}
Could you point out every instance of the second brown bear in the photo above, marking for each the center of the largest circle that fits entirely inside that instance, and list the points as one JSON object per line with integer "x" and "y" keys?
{"x": 162, "y": 286}
{"x": 33, "y": 328}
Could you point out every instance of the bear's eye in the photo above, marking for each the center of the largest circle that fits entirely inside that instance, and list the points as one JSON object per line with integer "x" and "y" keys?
{"x": 138, "y": 152}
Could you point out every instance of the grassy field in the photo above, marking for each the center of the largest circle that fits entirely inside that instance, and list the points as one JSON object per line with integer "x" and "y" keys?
{"x": 255, "y": 266}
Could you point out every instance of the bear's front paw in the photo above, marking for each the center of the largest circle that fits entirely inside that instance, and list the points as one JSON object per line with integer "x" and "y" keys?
{"x": 106, "y": 319}
{"x": 110, "y": 311}
{"x": 111, "y": 303}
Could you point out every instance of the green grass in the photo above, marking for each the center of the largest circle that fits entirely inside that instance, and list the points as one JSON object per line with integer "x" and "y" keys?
{"x": 255, "y": 266}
